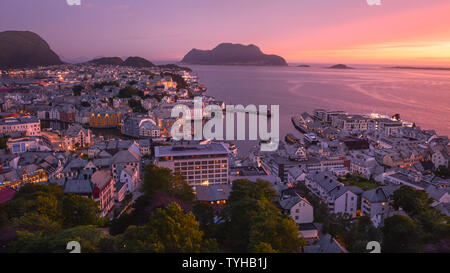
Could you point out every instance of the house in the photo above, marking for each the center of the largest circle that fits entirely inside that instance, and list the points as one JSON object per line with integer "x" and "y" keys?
{"x": 76, "y": 137}
{"x": 441, "y": 156}
{"x": 100, "y": 187}
{"x": 375, "y": 203}
{"x": 130, "y": 177}
{"x": 214, "y": 194}
{"x": 296, "y": 206}
{"x": 344, "y": 200}
{"x": 363, "y": 165}
{"x": 439, "y": 195}
{"x": 121, "y": 160}
{"x": 103, "y": 190}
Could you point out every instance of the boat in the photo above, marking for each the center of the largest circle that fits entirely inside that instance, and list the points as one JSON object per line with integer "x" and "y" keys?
{"x": 311, "y": 138}
{"x": 298, "y": 124}
{"x": 290, "y": 138}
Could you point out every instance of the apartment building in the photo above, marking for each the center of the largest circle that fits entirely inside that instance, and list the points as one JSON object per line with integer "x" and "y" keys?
{"x": 199, "y": 164}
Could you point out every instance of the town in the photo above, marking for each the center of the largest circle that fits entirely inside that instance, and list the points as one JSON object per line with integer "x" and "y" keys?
{"x": 103, "y": 132}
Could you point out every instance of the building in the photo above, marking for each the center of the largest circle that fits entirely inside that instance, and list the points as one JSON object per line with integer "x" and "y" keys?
{"x": 130, "y": 177}
{"x": 375, "y": 205}
{"x": 350, "y": 122}
{"x": 100, "y": 187}
{"x": 76, "y": 137}
{"x": 103, "y": 190}
{"x": 28, "y": 125}
{"x": 214, "y": 194}
{"x": 122, "y": 160}
{"x": 199, "y": 164}
{"x": 296, "y": 206}
{"x": 105, "y": 119}
{"x": 441, "y": 157}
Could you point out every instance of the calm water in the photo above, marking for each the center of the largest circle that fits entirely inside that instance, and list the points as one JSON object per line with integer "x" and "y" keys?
{"x": 420, "y": 96}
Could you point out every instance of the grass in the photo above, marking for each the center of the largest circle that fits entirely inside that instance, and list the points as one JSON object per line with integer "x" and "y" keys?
{"x": 359, "y": 181}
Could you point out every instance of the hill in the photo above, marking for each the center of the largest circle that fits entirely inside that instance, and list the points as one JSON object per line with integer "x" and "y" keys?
{"x": 25, "y": 49}
{"x": 137, "y": 62}
{"x": 107, "y": 61}
{"x": 233, "y": 54}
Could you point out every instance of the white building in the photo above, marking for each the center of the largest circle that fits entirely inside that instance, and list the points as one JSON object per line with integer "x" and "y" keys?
{"x": 199, "y": 164}
{"x": 29, "y": 125}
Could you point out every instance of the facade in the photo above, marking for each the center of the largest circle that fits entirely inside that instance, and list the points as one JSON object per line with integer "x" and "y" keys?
{"x": 199, "y": 164}
{"x": 350, "y": 122}
{"x": 76, "y": 136}
{"x": 29, "y": 125}
{"x": 296, "y": 206}
{"x": 105, "y": 119}
{"x": 103, "y": 190}
{"x": 122, "y": 160}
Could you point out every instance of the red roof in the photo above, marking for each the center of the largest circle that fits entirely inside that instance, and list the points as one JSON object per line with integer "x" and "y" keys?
{"x": 6, "y": 195}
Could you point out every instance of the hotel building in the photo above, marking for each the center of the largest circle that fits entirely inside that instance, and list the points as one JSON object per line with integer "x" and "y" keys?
{"x": 199, "y": 164}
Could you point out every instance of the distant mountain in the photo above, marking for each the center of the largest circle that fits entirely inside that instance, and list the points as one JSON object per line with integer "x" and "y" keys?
{"x": 25, "y": 49}
{"x": 107, "y": 61}
{"x": 137, "y": 62}
{"x": 421, "y": 68}
{"x": 232, "y": 54}
{"x": 130, "y": 61}
{"x": 303, "y": 65}
{"x": 340, "y": 66}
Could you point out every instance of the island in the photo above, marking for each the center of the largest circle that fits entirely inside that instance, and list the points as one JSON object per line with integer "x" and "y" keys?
{"x": 233, "y": 54}
{"x": 340, "y": 66}
{"x": 303, "y": 65}
{"x": 421, "y": 68}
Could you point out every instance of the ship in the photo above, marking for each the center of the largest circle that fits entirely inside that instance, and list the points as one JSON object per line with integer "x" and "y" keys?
{"x": 310, "y": 138}
{"x": 298, "y": 124}
{"x": 290, "y": 138}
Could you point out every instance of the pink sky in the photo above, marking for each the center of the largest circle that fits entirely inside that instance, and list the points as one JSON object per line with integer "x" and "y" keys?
{"x": 348, "y": 31}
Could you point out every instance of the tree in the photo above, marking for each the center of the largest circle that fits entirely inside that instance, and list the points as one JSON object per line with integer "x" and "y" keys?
{"x": 251, "y": 218}
{"x": 162, "y": 180}
{"x": 36, "y": 223}
{"x": 89, "y": 238}
{"x": 401, "y": 234}
{"x": 204, "y": 214}
{"x": 168, "y": 230}
{"x": 412, "y": 201}
{"x": 77, "y": 90}
{"x": 79, "y": 210}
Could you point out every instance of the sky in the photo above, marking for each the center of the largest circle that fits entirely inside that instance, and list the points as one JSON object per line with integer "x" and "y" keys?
{"x": 415, "y": 32}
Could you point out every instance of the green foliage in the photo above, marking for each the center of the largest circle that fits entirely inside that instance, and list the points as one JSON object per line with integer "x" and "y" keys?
{"x": 443, "y": 171}
{"x": 103, "y": 84}
{"x": 359, "y": 181}
{"x": 45, "y": 209}
{"x": 168, "y": 230}
{"x": 321, "y": 212}
{"x": 136, "y": 105}
{"x": 162, "y": 180}
{"x": 418, "y": 205}
{"x": 89, "y": 238}
{"x": 204, "y": 214}
{"x": 412, "y": 201}
{"x": 3, "y": 141}
{"x": 401, "y": 234}
{"x": 78, "y": 210}
{"x": 252, "y": 217}
{"x": 129, "y": 91}
{"x": 76, "y": 89}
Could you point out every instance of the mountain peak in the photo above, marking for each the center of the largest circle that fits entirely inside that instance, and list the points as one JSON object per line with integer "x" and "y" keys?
{"x": 232, "y": 54}
{"x": 25, "y": 49}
